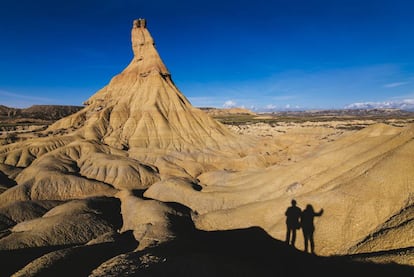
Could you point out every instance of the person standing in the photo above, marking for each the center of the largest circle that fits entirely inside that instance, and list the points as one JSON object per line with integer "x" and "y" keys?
{"x": 293, "y": 214}
{"x": 308, "y": 228}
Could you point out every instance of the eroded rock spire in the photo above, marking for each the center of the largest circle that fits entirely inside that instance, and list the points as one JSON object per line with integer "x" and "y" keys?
{"x": 139, "y": 23}
{"x": 141, "y": 107}
{"x": 146, "y": 58}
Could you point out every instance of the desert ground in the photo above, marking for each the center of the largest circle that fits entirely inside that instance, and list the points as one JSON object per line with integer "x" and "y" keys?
{"x": 141, "y": 183}
{"x": 245, "y": 248}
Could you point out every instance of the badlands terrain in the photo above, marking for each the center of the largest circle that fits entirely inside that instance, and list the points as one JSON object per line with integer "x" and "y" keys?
{"x": 141, "y": 183}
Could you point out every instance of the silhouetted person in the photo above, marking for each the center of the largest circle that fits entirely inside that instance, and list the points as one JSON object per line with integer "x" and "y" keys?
{"x": 293, "y": 214}
{"x": 308, "y": 228}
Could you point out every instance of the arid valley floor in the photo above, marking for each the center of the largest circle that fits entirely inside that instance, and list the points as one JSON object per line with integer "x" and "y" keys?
{"x": 141, "y": 183}
{"x": 237, "y": 252}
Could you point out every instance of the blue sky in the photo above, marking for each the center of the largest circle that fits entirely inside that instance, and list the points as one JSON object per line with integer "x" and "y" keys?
{"x": 262, "y": 55}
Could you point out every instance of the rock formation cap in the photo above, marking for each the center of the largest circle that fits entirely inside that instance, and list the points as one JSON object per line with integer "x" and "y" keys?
{"x": 139, "y": 23}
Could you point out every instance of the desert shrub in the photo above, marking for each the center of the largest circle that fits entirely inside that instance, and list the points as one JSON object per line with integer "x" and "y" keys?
{"x": 11, "y": 137}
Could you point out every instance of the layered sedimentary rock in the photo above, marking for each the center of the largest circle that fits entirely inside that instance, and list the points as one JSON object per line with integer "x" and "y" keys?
{"x": 363, "y": 181}
{"x": 138, "y": 145}
{"x": 142, "y": 108}
{"x": 134, "y": 132}
{"x": 133, "y": 128}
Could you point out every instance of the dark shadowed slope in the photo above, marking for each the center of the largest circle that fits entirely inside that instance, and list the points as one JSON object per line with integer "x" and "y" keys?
{"x": 242, "y": 252}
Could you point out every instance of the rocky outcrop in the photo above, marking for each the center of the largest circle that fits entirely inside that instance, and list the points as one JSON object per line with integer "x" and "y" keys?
{"x": 75, "y": 222}
{"x": 141, "y": 108}
{"x": 139, "y": 159}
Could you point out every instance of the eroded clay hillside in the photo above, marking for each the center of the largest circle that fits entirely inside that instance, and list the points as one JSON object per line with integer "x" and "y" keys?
{"x": 140, "y": 173}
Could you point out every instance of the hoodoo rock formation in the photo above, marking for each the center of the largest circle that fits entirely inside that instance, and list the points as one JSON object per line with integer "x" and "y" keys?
{"x": 136, "y": 127}
{"x": 134, "y": 132}
{"x": 141, "y": 108}
{"x": 139, "y": 164}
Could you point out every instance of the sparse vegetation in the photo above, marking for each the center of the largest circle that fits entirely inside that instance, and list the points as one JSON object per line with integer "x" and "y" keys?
{"x": 140, "y": 175}
{"x": 11, "y": 137}
{"x": 27, "y": 121}
{"x": 396, "y": 118}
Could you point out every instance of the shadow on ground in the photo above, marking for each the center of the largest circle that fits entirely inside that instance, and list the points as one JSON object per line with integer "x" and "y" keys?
{"x": 248, "y": 252}
{"x": 75, "y": 260}
{"x": 243, "y": 252}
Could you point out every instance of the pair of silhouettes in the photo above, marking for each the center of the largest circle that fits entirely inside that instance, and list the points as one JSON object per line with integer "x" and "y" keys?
{"x": 296, "y": 219}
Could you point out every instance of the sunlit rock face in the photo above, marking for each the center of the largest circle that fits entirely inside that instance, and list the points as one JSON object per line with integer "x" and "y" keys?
{"x": 138, "y": 146}
{"x": 142, "y": 108}
{"x": 136, "y": 131}
{"x": 133, "y": 132}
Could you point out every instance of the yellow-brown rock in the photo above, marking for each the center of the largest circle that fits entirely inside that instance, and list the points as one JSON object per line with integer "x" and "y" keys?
{"x": 139, "y": 145}
{"x": 142, "y": 108}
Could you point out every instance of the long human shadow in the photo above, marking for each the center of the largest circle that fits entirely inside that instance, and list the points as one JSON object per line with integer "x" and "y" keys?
{"x": 249, "y": 252}
{"x": 308, "y": 227}
{"x": 241, "y": 252}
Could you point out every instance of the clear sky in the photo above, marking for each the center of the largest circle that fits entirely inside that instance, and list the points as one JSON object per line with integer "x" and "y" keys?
{"x": 263, "y": 55}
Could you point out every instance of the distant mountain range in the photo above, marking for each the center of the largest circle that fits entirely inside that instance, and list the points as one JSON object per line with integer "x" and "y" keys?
{"x": 227, "y": 111}
{"x": 352, "y": 112}
{"x": 349, "y": 112}
{"x": 43, "y": 112}
{"x": 404, "y": 104}
{"x": 55, "y": 112}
